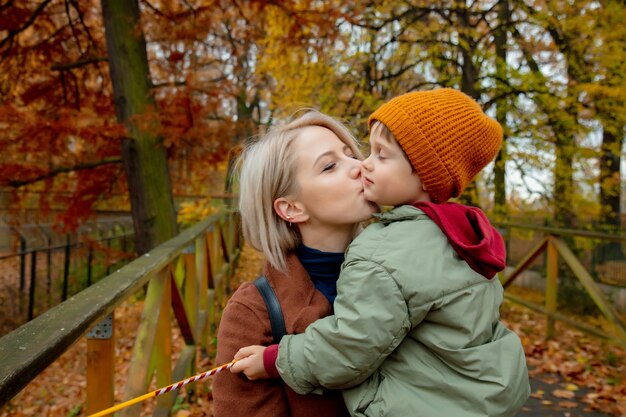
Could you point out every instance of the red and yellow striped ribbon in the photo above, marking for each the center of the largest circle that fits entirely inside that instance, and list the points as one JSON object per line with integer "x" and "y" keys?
{"x": 163, "y": 390}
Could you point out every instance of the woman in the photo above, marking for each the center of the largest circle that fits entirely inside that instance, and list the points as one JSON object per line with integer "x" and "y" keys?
{"x": 301, "y": 202}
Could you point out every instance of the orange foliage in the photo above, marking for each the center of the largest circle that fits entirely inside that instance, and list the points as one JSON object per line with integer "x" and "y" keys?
{"x": 222, "y": 70}
{"x": 57, "y": 105}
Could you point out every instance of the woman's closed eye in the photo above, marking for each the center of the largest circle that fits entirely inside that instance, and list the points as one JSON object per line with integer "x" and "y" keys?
{"x": 329, "y": 166}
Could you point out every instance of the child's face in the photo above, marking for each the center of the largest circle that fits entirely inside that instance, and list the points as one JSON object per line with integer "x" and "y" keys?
{"x": 388, "y": 177}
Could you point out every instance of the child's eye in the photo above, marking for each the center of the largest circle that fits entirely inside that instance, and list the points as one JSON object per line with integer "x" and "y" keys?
{"x": 328, "y": 166}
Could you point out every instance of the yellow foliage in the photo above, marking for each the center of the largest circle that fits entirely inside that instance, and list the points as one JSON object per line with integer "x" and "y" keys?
{"x": 303, "y": 74}
{"x": 191, "y": 212}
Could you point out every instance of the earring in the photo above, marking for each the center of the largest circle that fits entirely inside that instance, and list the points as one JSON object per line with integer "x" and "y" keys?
{"x": 289, "y": 218}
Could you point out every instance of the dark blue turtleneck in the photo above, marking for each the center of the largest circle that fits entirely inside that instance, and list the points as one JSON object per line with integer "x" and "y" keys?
{"x": 323, "y": 268}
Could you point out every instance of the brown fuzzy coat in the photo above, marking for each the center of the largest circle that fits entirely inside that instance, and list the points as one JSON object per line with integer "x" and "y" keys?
{"x": 245, "y": 322}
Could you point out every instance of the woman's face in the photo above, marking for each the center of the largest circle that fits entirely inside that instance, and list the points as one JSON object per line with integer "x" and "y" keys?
{"x": 329, "y": 180}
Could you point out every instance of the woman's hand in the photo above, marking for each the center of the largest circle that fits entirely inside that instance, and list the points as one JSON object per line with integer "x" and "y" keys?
{"x": 250, "y": 362}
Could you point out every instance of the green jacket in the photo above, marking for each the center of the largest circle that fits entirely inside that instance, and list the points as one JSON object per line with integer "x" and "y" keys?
{"x": 415, "y": 332}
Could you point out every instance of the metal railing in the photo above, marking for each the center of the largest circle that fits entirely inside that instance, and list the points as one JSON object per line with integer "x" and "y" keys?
{"x": 187, "y": 276}
{"x": 47, "y": 274}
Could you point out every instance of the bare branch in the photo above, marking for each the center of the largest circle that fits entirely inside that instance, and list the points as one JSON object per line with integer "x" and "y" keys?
{"x": 169, "y": 84}
{"x": 63, "y": 170}
{"x": 73, "y": 29}
{"x": 80, "y": 63}
{"x": 520, "y": 165}
{"x": 157, "y": 11}
{"x": 81, "y": 17}
{"x": 31, "y": 19}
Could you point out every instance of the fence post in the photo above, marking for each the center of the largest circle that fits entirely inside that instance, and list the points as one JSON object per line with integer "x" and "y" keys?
{"x": 48, "y": 264}
{"x": 100, "y": 365}
{"x": 89, "y": 266}
{"x": 22, "y": 270}
{"x": 31, "y": 289}
{"x": 109, "y": 239}
{"x": 552, "y": 271}
{"x": 66, "y": 268}
{"x": 123, "y": 242}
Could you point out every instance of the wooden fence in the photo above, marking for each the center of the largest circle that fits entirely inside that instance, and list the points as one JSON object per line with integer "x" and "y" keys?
{"x": 187, "y": 276}
{"x": 554, "y": 246}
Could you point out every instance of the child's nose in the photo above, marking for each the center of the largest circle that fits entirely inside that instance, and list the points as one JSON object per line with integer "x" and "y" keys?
{"x": 366, "y": 164}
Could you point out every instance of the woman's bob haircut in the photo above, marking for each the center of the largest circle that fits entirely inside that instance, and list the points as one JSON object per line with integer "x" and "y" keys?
{"x": 267, "y": 171}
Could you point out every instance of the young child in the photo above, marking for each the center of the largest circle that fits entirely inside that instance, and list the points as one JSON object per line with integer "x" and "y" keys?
{"x": 416, "y": 327}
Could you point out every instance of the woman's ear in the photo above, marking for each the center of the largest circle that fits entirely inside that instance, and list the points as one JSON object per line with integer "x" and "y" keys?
{"x": 290, "y": 211}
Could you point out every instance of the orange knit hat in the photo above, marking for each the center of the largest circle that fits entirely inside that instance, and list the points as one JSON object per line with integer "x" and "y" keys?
{"x": 445, "y": 135}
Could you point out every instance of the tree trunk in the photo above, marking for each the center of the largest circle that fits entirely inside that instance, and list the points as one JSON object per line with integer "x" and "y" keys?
{"x": 144, "y": 157}
{"x": 245, "y": 130}
{"x": 561, "y": 122}
{"x": 470, "y": 195}
{"x": 499, "y": 198}
{"x": 610, "y": 188}
{"x": 610, "y": 179}
{"x": 5, "y": 238}
{"x": 564, "y": 178}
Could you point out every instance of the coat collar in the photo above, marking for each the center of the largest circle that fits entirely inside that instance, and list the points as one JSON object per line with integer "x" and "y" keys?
{"x": 400, "y": 213}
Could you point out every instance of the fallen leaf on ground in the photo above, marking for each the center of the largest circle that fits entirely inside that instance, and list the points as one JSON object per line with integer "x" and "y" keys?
{"x": 562, "y": 393}
{"x": 537, "y": 394}
{"x": 567, "y": 404}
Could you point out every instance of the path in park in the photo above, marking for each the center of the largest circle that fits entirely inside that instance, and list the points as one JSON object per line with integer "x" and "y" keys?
{"x": 548, "y": 405}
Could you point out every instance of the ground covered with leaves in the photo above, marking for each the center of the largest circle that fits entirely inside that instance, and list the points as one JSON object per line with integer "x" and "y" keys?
{"x": 571, "y": 362}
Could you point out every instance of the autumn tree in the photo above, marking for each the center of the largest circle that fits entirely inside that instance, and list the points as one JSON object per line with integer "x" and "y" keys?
{"x": 218, "y": 76}
{"x": 579, "y": 36}
{"x": 606, "y": 58}
{"x": 218, "y": 72}
{"x": 145, "y": 161}
{"x": 193, "y": 94}
{"x": 60, "y": 144}
{"x": 418, "y": 44}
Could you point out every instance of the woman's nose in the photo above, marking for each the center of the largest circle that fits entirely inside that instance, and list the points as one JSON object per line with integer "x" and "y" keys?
{"x": 355, "y": 170}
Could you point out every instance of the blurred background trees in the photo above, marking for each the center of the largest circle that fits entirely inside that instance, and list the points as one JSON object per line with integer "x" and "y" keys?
{"x": 153, "y": 109}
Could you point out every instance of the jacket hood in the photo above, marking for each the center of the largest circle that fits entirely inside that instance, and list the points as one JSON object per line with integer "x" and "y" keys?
{"x": 472, "y": 236}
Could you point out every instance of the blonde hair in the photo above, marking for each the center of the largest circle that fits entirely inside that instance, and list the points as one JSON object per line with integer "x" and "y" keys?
{"x": 267, "y": 171}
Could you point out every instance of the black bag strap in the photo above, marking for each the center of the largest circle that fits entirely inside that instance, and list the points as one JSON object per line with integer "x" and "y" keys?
{"x": 277, "y": 320}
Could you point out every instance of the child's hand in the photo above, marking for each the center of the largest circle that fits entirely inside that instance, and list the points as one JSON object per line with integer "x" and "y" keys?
{"x": 250, "y": 362}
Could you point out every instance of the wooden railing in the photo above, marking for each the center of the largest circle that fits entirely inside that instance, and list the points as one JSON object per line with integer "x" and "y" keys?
{"x": 186, "y": 276}
{"x": 553, "y": 244}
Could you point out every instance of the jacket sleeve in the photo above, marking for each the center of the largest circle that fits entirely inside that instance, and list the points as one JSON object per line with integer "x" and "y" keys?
{"x": 340, "y": 351}
{"x": 233, "y": 394}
